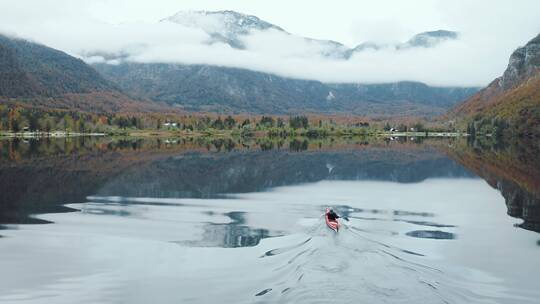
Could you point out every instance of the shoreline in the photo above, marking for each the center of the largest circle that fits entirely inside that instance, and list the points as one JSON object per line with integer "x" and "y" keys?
{"x": 55, "y": 134}
{"x": 227, "y": 133}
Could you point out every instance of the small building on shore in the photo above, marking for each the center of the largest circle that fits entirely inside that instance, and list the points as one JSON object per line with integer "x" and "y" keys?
{"x": 170, "y": 124}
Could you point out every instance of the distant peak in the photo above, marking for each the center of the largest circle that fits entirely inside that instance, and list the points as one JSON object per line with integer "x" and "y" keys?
{"x": 207, "y": 13}
{"x": 232, "y": 20}
{"x": 222, "y": 26}
{"x": 431, "y": 38}
{"x": 440, "y": 33}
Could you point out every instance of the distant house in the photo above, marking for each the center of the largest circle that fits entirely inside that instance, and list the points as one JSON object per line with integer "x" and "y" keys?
{"x": 26, "y": 129}
{"x": 393, "y": 130}
{"x": 170, "y": 124}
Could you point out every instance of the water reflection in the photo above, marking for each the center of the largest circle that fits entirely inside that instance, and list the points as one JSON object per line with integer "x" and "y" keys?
{"x": 234, "y": 234}
{"x": 297, "y": 145}
{"x": 162, "y": 217}
{"x": 432, "y": 234}
{"x": 103, "y": 211}
{"x": 381, "y": 215}
{"x": 39, "y": 176}
{"x": 512, "y": 168}
{"x": 348, "y": 211}
{"x": 226, "y": 230}
{"x": 521, "y": 204}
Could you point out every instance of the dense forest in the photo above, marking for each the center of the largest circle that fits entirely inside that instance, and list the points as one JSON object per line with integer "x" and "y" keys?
{"x": 19, "y": 120}
{"x": 23, "y": 119}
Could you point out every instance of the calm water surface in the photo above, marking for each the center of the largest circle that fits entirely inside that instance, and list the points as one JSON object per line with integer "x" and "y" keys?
{"x": 168, "y": 221}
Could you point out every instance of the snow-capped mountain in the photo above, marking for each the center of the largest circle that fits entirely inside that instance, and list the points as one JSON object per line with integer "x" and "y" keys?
{"x": 233, "y": 28}
{"x": 227, "y": 23}
{"x": 422, "y": 40}
{"x": 222, "y": 26}
{"x": 243, "y": 79}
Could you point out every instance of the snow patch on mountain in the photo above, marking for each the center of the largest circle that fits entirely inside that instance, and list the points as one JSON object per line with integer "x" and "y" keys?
{"x": 222, "y": 26}
{"x": 330, "y": 96}
{"x": 227, "y": 23}
{"x": 241, "y": 31}
{"x": 235, "y": 40}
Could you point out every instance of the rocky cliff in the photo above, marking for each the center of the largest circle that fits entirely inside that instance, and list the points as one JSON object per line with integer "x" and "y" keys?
{"x": 513, "y": 98}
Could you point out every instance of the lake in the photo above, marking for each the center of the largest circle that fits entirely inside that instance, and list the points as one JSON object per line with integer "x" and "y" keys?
{"x": 100, "y": 220}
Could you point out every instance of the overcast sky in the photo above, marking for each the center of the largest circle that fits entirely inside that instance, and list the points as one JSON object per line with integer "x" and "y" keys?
{"x": 490, "y": 30}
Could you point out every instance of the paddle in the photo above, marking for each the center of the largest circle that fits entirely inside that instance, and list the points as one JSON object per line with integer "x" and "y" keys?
{"x": 343, "y": 217}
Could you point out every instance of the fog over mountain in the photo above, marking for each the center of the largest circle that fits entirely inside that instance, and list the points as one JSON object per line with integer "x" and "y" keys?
{"x": 436, "y": 43}
{"x": 233, "y": 39}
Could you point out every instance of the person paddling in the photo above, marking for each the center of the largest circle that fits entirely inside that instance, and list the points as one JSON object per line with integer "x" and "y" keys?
{"x": 332, "y": 215}
{"x": 331, "y": 219}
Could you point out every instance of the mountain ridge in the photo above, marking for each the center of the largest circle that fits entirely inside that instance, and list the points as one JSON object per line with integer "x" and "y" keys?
{"x": 230, "y": 90}
{"x": 200, "y": 87}
{"x": 229, "y": 27}
{"x": 512, "y": 100}
{"x": 40, "y": 76}
{"x": 30, "y": 69}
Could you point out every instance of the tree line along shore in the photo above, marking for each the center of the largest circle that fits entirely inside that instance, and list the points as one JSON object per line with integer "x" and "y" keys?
{"x": 16, "y": 121}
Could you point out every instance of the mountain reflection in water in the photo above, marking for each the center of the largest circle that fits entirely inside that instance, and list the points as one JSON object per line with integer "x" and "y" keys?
{"x": 513, "y": 169}
{"x": 133, "y": 221}
{"x": 231, "y": 235}
{"x": 42, "y": 175}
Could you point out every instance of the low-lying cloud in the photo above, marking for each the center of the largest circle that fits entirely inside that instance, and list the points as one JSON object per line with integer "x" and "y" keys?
{"x": 461, "y": 62}
{"x": 474, "y": 59}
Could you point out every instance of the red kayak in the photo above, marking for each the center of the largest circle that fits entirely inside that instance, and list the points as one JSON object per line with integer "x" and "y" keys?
{"x": 331, "y": 223}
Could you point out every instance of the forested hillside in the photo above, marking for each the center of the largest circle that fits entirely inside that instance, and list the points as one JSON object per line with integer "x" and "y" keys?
{"x": 35, "y": 75}
{"x": 511, "y": 103}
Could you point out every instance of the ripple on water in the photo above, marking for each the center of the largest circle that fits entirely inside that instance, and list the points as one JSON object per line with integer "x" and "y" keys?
{"x": 350, "y": 265}
{"x": 262, "y": 293}
{"x": 432, "y": 234}
{"x": 373, "y": 259}
{"x": 277, "y": 251}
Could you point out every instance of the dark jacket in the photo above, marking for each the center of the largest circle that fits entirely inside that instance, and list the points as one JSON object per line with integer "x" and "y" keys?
{"x": 332, "y": 215}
